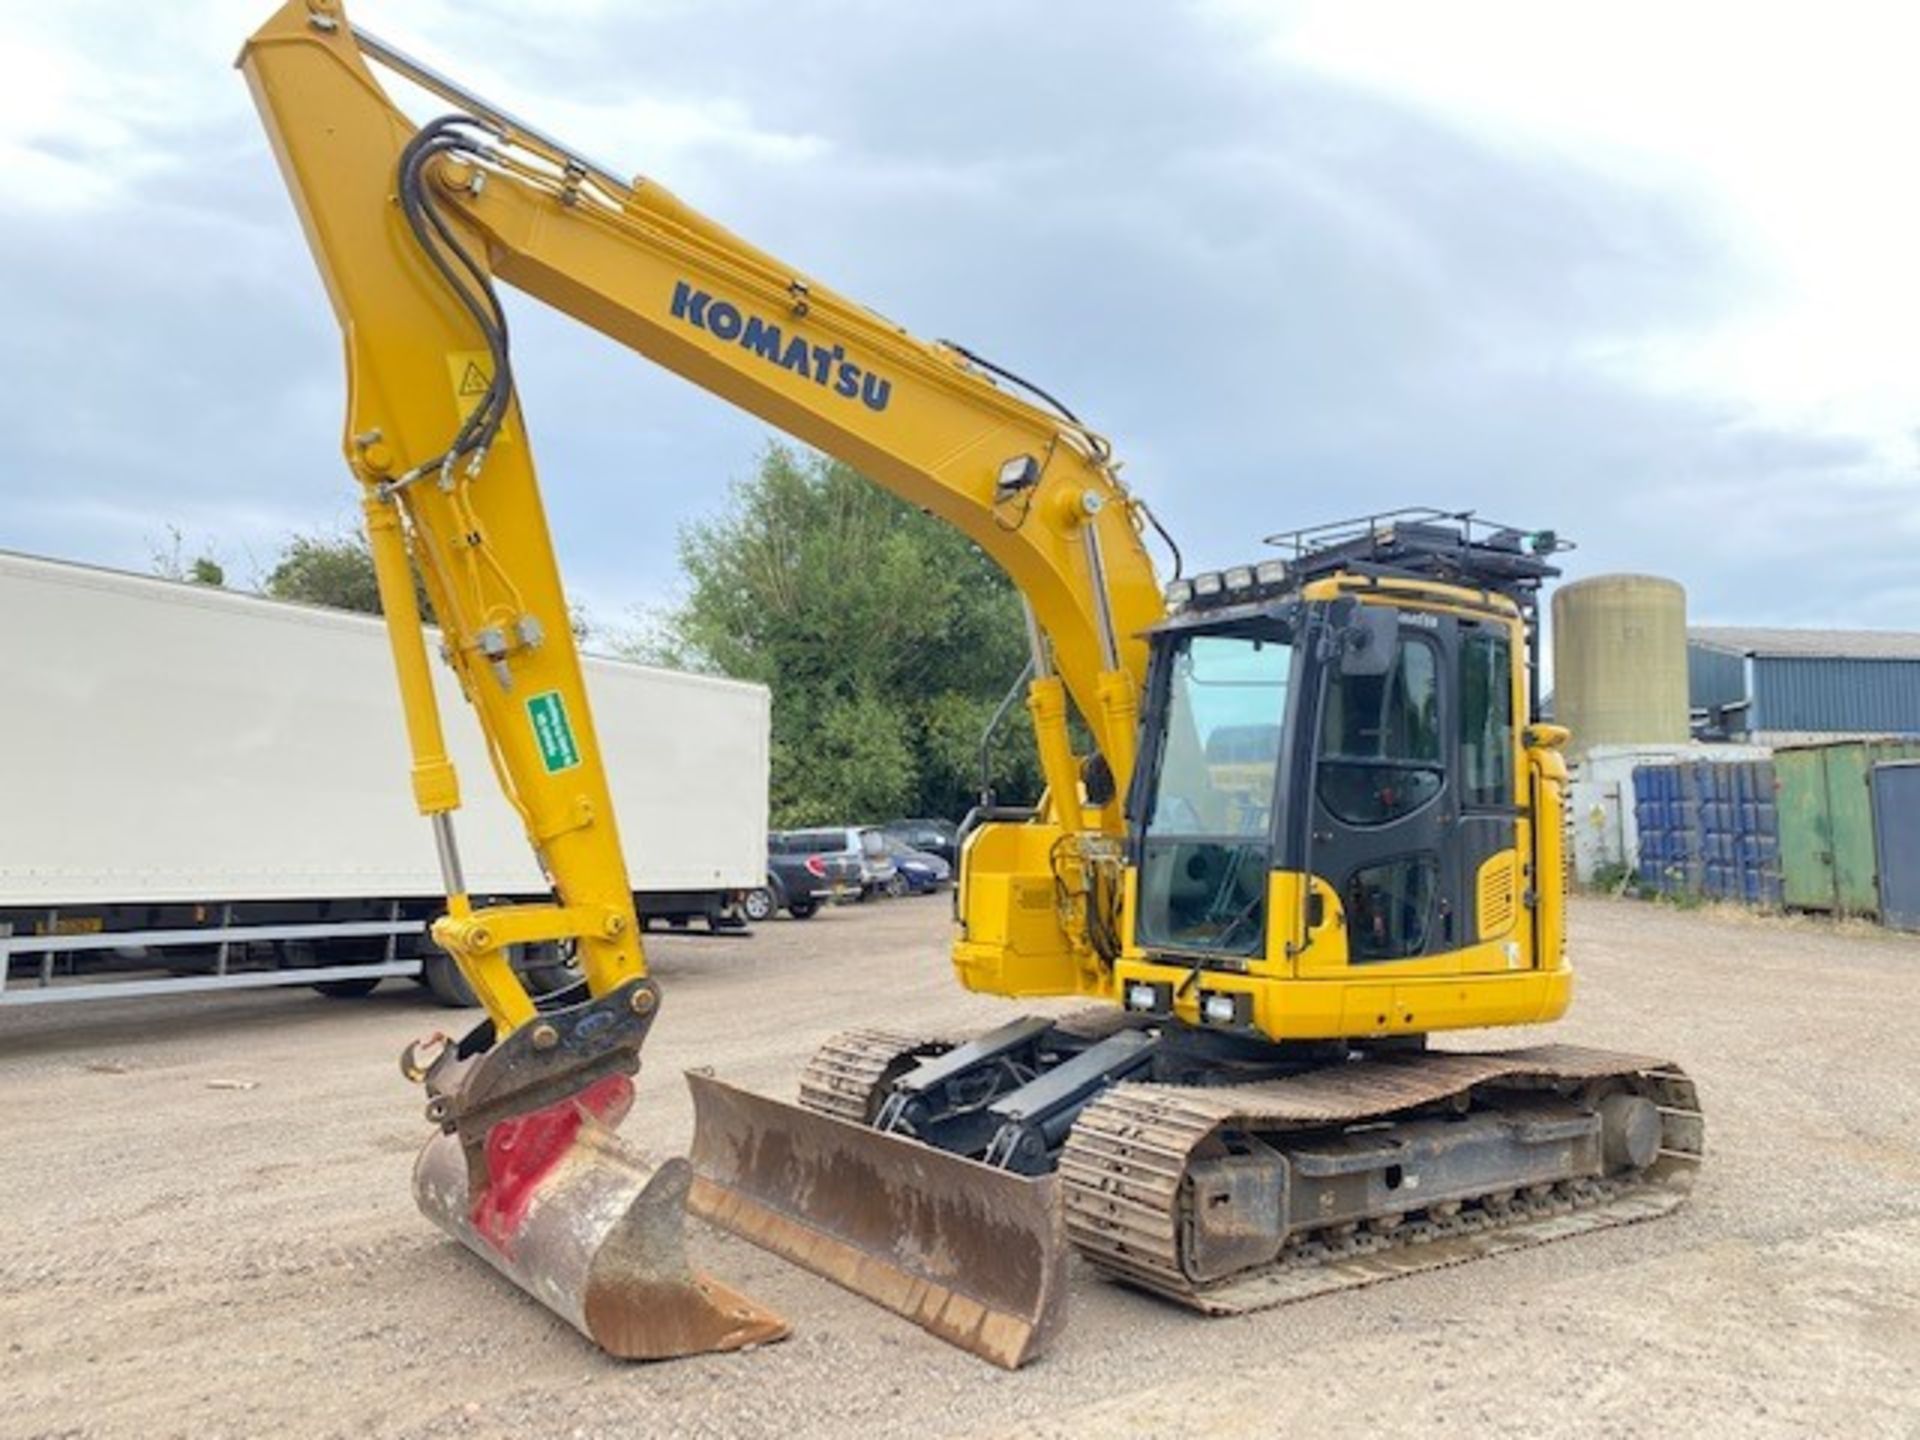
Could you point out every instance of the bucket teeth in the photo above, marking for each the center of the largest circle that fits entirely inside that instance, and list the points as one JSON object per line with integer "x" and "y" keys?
{"x": 972, "y": 1254}
{"x": 592, "y": 1232}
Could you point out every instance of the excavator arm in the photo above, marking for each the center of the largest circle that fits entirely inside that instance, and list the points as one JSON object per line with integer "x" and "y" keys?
{"x": 412, "y": 227}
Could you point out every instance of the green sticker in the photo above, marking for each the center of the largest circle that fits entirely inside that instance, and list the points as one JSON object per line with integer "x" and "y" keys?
{"x": 548, "y": 716}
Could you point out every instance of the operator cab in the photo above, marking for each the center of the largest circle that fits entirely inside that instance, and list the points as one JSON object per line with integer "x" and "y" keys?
{"x": 1366, "y": 732}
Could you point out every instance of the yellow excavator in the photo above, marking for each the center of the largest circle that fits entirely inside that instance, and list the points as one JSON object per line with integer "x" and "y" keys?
{"x": 1299, "y": 815}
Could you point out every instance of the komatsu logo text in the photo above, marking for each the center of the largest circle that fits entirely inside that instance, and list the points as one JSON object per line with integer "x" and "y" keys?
{"x": 826, "y": 366}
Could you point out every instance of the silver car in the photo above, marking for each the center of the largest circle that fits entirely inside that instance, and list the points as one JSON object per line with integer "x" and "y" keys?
{"x": 863, "y": 843}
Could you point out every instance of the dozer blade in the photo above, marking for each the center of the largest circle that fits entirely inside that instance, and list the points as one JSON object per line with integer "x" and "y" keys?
{"x": 581, "y": 1223}
{"x": 972, "y": 1254}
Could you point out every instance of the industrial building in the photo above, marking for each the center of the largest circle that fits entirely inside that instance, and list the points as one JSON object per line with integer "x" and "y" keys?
{"x": 1771, "y": 766}
{"x": 1780, "y": 685}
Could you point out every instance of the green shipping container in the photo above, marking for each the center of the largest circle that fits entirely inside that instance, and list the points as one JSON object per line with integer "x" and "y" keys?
{"x": 1826, "y": 822}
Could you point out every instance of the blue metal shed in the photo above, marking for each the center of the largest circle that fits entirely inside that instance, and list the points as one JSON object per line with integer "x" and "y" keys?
{"x": 1896, "y": 835}
{"x": 1753, "y": 683}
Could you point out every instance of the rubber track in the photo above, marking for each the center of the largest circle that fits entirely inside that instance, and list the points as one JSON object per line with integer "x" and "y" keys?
{"x": 1126, "y": 1160}
{"x": 842, "y": 1077}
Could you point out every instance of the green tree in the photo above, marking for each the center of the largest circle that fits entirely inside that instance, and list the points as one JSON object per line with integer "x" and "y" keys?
{"x": 886, "y": 637}
{"x": 334, "y": 570}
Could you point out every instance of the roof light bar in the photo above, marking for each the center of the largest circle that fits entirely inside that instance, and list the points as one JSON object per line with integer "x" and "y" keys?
{"x": 1237, "y": 583}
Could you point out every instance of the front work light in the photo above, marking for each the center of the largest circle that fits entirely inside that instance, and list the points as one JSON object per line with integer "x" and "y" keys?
{"x": 1149, "y": 997}
{"x": 1222, "y": 1007}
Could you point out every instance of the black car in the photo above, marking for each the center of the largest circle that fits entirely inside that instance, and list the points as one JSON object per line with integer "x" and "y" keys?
{"x": 933, "y": 837}
{"x": 801, "y": 878}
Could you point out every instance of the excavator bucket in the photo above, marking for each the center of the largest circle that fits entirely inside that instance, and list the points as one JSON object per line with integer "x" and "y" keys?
{"x": 972, "y": 1254}
{"x": 581, "y": 1223}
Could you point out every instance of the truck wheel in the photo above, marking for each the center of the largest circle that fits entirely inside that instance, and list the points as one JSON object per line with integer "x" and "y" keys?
{"x": 347, "y": 989}
{"x": 548, "y": 967}
{"x": 446, "y": 984}
{"x": 757, "y": 903}
{"x": 803, "y": 909}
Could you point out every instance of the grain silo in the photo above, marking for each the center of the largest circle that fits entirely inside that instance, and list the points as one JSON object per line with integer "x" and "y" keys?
{"x": 1620, "y": 660}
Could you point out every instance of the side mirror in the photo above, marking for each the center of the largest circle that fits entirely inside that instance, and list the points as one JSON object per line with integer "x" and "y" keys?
{"x": 1370, "y": 641}
{"x": 1541, "y": 736}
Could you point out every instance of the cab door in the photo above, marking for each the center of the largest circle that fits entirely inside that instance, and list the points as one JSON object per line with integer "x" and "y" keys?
{"x": 1385, "y": 803}
{"x": 1486, "y": 749}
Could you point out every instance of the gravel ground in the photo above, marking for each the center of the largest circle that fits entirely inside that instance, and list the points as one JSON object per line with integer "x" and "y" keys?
{"x": 183, "y": 1257}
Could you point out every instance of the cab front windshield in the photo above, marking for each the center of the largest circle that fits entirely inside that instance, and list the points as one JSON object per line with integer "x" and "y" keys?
{"x": 1206, "y": 851}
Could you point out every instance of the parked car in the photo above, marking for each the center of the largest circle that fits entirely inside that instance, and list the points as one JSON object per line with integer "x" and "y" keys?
{"x": 931, "y": 837}
{"x": 915, "y": 872}
{"x": 802, "y": 878}
{"x": 862, "y": 844}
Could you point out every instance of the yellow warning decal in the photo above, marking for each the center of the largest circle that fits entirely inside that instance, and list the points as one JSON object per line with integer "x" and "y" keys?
{"x": 471, "y": 372}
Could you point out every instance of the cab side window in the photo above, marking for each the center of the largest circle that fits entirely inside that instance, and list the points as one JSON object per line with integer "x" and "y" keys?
{"x": 1380, "y": 742}
{"x": 1486, "y": 719}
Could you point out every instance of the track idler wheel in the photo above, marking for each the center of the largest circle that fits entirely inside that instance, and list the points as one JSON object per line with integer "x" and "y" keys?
{"x": 1629, "y": 1132}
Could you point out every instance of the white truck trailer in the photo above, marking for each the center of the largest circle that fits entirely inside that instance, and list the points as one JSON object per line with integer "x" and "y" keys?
{"x": 203, "y": 790}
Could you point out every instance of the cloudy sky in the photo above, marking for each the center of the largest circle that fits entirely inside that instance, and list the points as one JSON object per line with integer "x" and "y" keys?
{"x": 1646, "y": 273}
